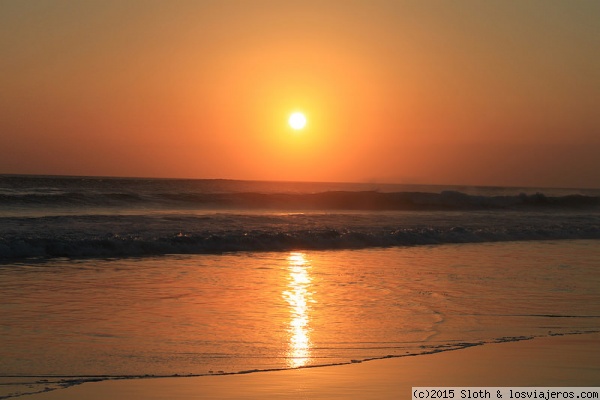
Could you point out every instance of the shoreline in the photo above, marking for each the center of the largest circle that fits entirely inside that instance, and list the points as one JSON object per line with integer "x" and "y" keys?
{"x": 555, "y": 360}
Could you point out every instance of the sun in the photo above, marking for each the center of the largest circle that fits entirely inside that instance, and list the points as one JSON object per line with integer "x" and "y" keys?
{"x": 297, "y": 121}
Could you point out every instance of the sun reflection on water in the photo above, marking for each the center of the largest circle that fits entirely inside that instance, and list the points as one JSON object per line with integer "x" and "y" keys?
{"x": 298, "y": 295}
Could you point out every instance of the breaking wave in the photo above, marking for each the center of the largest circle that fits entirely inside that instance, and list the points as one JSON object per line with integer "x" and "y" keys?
{"x": 118, "y": 236}
{"x": 330, "y": 200}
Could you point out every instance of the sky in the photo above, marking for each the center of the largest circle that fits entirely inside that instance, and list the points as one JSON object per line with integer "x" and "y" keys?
{"x": 499, "y": 93}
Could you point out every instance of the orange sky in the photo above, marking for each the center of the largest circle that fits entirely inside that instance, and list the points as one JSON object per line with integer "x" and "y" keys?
{"x": 466, "y": 92}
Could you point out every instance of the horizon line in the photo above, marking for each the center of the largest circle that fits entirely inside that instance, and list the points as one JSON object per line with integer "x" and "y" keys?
{"x": 69, "y": 176}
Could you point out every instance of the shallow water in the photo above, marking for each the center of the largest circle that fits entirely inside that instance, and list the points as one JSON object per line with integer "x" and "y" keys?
{"x": 201, "y": 314}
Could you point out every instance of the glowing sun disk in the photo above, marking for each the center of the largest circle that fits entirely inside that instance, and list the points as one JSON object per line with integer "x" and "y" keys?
{"x": 297, "y": 121}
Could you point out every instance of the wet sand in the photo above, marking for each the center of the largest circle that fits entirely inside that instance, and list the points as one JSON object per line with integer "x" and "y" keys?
{"x": 571, "y": 360}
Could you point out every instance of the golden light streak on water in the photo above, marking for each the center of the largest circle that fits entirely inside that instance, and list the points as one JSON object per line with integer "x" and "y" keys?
{"x": 298, "y": 296}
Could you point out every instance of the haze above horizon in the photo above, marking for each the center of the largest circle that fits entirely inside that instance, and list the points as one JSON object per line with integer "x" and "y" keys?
{"x": 465, "y": 93}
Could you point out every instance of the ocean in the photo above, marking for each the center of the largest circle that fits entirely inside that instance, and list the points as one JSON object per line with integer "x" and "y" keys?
{"x": 121, "y": 277}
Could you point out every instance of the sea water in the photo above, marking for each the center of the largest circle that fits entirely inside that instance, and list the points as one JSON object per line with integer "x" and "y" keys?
{"x": 134, "y": 277}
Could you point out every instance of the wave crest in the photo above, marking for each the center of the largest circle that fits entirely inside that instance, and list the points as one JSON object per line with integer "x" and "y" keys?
{"x": 331, "y": 200}
{"x": 120, "y": 245}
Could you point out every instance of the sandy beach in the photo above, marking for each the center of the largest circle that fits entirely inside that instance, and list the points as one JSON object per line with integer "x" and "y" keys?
{"x": 571, "y": 360}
